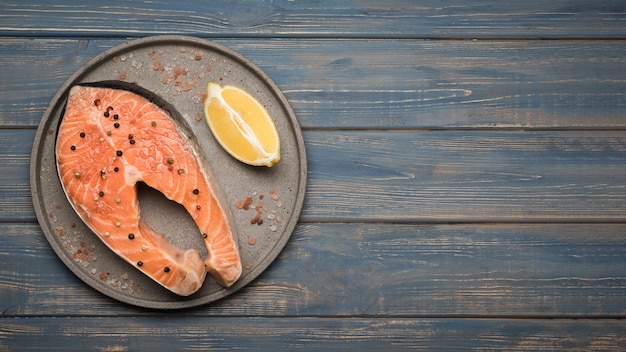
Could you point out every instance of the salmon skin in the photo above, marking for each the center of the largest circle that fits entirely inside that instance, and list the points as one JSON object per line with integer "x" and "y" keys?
{"x": 114, "y": 134}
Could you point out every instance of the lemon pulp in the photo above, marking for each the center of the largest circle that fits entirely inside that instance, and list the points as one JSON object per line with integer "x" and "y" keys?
{"x": 241, "y": 125}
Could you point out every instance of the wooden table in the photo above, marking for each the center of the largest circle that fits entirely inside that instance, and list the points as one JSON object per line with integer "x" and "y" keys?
{"x": 466, "y": 176}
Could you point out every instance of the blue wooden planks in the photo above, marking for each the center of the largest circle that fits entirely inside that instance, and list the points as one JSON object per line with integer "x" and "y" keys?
{"x": 305, "y": 19}
{"x": 383, "y": 270}
{"x": 383, "y": 83}
{"x": 430, "y": 176}
{"x": 466, "y": 176}
{"x": 312, "y": 334}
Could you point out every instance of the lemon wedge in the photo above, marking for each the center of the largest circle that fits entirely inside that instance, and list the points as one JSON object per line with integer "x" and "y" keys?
{"x": 241, "y": 125}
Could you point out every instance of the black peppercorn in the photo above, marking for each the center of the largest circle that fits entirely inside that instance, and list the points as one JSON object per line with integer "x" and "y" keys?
{"x": 196, "y": 191}
{"x": 131, "y": 236}
{"x": 101, "y": 194}
{"x": 116, "y": 125}
{"x": 116, "y": 116}
{"x": 118, "y": 153}
{"x": 116, "y": 169}
{"x": 82, "y": 135}
{"x": 132, "y": 141}
{"x": 73, "y": 147}
{"x": 130, "y": 136}
{"x": 106, "y": 113}
{"x": 166, "y": 269}
{"x": 139, "y": 263}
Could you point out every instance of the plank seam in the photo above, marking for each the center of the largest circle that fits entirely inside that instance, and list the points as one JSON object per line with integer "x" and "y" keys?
{"x": 60, "y": 35}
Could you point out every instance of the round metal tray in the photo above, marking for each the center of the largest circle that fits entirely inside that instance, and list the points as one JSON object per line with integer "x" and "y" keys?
{"x": 177, "y": 68}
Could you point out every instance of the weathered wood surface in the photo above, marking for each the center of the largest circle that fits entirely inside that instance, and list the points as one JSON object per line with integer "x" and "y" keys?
{"x": 389, "y": 84}
{"x": 326, "y": 18}
{"x": 434, "y": 176}
{"x": 374, "y": 270}
{"x": 313, "y": 334}
{"x": 466, "y": 187}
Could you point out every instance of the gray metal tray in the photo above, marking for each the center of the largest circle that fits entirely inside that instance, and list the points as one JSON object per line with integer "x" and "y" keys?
{"x": 177, "y": 68}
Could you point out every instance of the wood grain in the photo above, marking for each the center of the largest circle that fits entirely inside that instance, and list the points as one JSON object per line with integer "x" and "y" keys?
{"x": 388, "y": 84}
{"x": 428, "y": 176}
{"x": 327, "y": 18}
{"x": 328, "y": 334}
{"x": 465, "y": 176}
{"x": 372, "y": 270}
{"x": 466, "y": 185}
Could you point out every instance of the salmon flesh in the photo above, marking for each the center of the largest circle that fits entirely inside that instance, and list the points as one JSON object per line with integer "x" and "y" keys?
{"x": 108, "y": 140}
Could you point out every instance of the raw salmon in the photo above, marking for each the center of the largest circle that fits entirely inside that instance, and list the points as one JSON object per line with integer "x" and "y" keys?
{"x": 108, "y": 140}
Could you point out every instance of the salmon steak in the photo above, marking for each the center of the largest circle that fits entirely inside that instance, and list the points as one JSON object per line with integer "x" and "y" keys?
{"x": 109, "y": 139}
